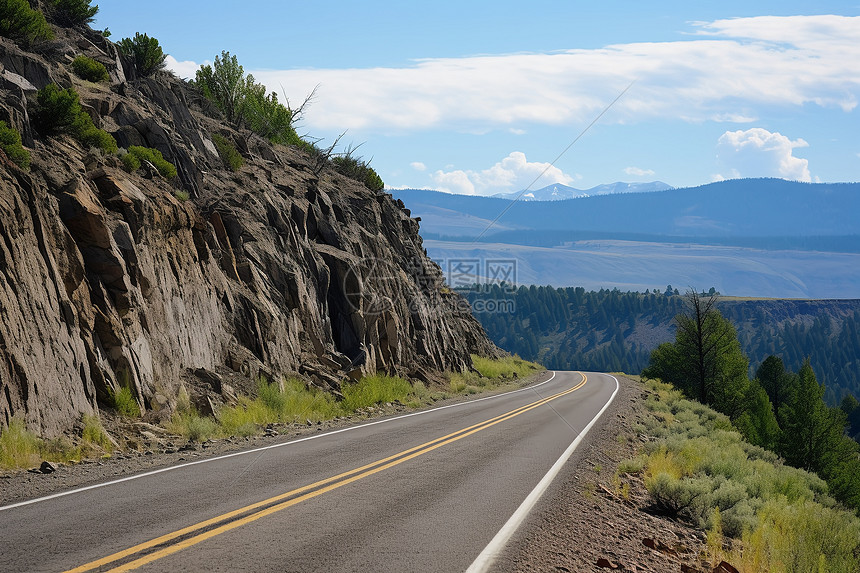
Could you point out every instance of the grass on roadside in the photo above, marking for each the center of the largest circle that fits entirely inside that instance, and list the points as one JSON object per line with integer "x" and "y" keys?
{"x": 21, "y": 448}
{"x": 490, "y": 373}
{"x": 294, "y": 402}
{"x": 700, "y": 469}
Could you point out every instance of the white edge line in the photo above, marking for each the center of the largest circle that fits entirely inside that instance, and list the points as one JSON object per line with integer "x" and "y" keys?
{"x": 486, "y": 558}
{"x": 255, "y": 450}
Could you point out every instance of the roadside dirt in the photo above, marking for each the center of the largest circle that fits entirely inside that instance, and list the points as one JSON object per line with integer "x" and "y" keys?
{"x": 590, "y": 521}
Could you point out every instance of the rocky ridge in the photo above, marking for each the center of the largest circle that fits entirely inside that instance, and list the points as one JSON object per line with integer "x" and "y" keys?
{"x": 108, "y": 280}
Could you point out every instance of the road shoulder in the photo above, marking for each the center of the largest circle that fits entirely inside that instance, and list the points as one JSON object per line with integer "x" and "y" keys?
{"x": 589, "y": 521}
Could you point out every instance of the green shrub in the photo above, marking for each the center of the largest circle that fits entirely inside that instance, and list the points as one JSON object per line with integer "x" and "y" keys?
{"x": 231, "y": 158}
{"x": 358, "y": 169}
{"x": 137, "y": 153}
{"x": 98, "y": 138}
{"x": 182, "y": 195}
{"x": 18, "y": 21}
{"x": 59, "y": 111}
{"x": 224, "y": 82}
{"x": 245, "y": 102}
{"x": 266, "y": 116}
{"x": 130, "y": 162}
{"x": 125, "y": 403}
{"x": 10, "y": 142}
{"x": 146, "y": 52}
{"x": 90, "y": 70}
{"x": 75, "y": 12}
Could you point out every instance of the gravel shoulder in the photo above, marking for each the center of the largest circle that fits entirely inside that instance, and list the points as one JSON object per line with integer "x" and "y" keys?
{"x": 590, "y": 521}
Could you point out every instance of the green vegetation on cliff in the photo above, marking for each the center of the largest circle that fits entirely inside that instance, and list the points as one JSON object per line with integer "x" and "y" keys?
{"x": 19, "y": 21}
{"x": 10, "y": 143}
{"x": 59, "y": 111}
{"x": 89, "y": 69}
{"x": 145, "y": 51}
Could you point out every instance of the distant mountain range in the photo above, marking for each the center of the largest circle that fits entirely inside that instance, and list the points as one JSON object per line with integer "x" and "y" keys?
{"x": 746, "y": 237}
{"x": 559, "y": 192}
{"x": 734, "y": 208}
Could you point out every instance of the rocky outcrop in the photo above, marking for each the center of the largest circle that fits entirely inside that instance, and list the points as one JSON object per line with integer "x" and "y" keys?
{"x": 108, "y": 280}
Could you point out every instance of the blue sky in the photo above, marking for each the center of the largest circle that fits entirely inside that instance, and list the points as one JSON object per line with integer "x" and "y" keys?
{"x": 480, "y": 97}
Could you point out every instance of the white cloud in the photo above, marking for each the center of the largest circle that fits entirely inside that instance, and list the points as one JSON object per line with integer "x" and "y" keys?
{"x": 730, "y": 117}
{"x": 726, "y": 66}
{"x": 418, "y": 166}
{"x": 186, "y": 69}
{"x": 636, "y": 171}
{"x": 757, "y": 152}
{"x": 513, "y": 173}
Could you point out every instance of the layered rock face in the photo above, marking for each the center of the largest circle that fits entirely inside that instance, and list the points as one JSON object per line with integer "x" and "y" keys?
{"x": 108, "y": 280}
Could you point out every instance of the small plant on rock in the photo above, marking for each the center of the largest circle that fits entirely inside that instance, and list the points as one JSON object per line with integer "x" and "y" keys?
{"x": 357, "y": 168}
{"x": 90, "y": 70}
{"x": 125, "y": 403}
{"x": 10, "y": 142}
{"x": 231, "y": 158}
{"x": 136, "y": 154}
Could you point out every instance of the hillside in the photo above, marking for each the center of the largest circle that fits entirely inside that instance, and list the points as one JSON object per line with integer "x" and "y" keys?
{"x": 754, "y": 237}
{"x": 198, "y": 281}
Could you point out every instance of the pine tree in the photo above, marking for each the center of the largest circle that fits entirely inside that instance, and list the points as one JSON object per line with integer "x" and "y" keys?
{"x": 809, "y": 428}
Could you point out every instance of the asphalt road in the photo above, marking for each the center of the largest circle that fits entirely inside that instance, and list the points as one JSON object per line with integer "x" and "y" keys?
{"x": 423, "y": 492}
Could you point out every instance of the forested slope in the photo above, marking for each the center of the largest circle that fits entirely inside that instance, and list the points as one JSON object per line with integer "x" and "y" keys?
{"x": 610, "y": 330}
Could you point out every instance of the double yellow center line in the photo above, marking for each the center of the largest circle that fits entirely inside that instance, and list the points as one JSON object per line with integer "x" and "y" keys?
{"x": 170, "y": 543}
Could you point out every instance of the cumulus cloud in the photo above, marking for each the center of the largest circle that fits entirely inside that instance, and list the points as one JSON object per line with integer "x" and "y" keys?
{"x": 725, "y": 70}
{"x": 513, "y": 173}
{"x": 186, "y": 69}
{"x": 757, "y": 152}
{"x": 636, "y": 171}
{"x": 418, "y": 166}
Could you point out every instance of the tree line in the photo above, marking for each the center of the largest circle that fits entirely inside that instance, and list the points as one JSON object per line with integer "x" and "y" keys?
{"x": 614, "y": 331}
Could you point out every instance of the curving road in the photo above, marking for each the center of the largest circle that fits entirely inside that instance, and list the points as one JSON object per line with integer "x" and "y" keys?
{"x": 440, "y": 490}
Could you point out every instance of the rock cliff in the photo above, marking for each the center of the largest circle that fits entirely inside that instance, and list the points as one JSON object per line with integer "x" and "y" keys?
{"x": 108, "y": 280}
